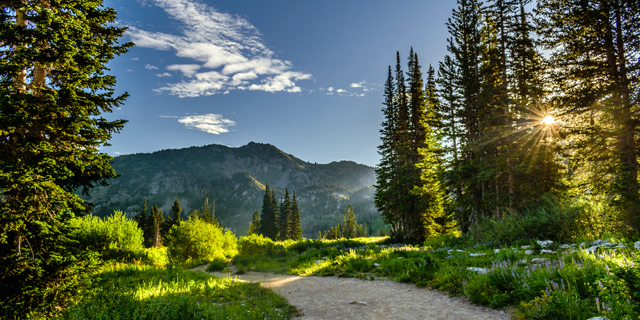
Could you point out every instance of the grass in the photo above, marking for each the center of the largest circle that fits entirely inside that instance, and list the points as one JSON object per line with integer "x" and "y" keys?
{"x": 572, "y": 283}
{"x": 129, "y": 291}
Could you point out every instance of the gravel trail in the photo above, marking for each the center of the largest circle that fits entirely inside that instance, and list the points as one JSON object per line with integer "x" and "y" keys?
{"x": 349, "y": 298}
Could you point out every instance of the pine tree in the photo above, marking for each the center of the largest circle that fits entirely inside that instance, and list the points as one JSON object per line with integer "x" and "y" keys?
{"x": 206, "y": 212}
{"x": 594, "y": 48}
{"x": 295, "y": 228}
{"x": 268, "y": 225}
{"x": 54, "y": 90}
{"x": 155, "y": 227}
{"x": 175, "y": 208}
{"x": 284, "y": 222}
{"x": 254, "y": 227}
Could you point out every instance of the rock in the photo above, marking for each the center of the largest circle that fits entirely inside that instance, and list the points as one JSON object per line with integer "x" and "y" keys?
{"x": 376, "y": 264}
{"x": 318, "y": 261}
{"x": 565, "y": 246}
{"x": 477, "y": 254}
{"x": 460, "y": 250}
{"x": 478, "y": 270}
{"x": 546, "y": 251}
{"x": 598, "y": 242}
{"x": 325, "y": 258}
{"x": 539, "y": 260}
{"x": 544, "y": 243}
{"x": 582, "y": 244}
{"x": 528, "y": 252}
{"x": 592, "y": 249}
{"x": 637, "y": 245}
{"x": 525, "y": 247}
{"x": 523, "y": 261}
{"x": 620, "y": 246}
{"x": 360, "y": 303}
{"x": 496, "y": 250}
{"x": 598, "y": 318}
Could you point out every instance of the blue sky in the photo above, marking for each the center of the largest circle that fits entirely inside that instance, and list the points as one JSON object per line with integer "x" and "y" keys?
{"x": 305, "y": 76}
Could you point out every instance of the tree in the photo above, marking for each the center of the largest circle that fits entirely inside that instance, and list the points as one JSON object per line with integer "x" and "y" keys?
{"x": 349, "y": 226}
{"x": 284, "y": 222}
{"x": 268, "y": 219}
{"x": 254, "y": 227}
{"x": 157, "y": 220}
{"x": 295, "y": 228}
{"x": 52, "y": 93}
{"x": 594, "y": 55}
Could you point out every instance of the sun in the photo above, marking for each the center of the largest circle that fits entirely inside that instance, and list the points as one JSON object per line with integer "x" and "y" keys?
{"x": 548, "y": 120}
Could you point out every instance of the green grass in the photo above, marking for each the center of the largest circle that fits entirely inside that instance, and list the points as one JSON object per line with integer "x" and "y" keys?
{"x": 573, "y": 284}
{"x": 128, "y": 291}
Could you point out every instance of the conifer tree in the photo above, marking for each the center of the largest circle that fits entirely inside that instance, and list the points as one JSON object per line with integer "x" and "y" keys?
{"x": 157, "y": 220}
{"x": 268, "y": 225}
{"x": 284, "y": 222}
{"x": 176, "y": 209}
{"x": 254, "y": 227}
{"x": 296, "y": 229}
{"x": 54, "y": 90}
{"x": 206, "y": 212}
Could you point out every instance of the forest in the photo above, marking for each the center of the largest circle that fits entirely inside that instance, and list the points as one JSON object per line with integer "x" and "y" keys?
{"x": 508, "y": 175}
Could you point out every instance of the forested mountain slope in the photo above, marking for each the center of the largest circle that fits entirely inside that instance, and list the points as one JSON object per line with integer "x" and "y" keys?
{"x": 234, "y": 178}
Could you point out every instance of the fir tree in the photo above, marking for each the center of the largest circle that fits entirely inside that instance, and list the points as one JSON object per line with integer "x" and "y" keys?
{"x": 268, "y": 225}
{"x": 176, "y": 209}
{"x": 155, "y": 227}
{"x": 295, "y": 228}
{"x": 254, "y": 227}
{"x": 284, "y": 222}
{"x": 54, "y": 90}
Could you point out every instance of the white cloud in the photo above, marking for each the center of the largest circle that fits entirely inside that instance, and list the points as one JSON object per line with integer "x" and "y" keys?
{"x": 117, "y": 153}
{"x": 188, "y": 70}
{"x": 341, "y": 91}
{"x": 151, "y": 67}
{"x": 210, "y": 123}
{"x": 330, "y": 89}
{"x": 162, "y": 75}
{"x": 228, "y": 52}
{"x": 358, "y": 84}
{"x": 174, "y": 117}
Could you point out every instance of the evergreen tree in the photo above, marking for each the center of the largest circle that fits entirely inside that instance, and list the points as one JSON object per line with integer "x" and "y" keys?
{"x": 594, "y": 46}
{"x": 254, "y": 227}
{"x": 268, "y": 225}
{"x": 155, "y": 227}
{"x": 284, "y": 222}
{"x": 206, "y": 212}
{"x": 295, "y": 228}
{"x": 54, "y": 90}
{"x": 176, "y": 209}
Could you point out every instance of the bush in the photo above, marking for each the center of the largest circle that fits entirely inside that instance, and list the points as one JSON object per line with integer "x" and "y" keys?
{"x": 216, "y": 265}
{"x": 197, "y": 240}
{"x": 552, "y": 220}
{"x": 256, "y": 244}
{"x": 114, "y": 238}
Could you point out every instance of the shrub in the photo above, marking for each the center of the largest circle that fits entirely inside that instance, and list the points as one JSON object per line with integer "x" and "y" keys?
{"x": 256, "y": 244}
{"x": 198, "y": 240}
{"x": 114, "y": 238}
{"x": 551, "y": 220}
{"x": 216, "y": 265}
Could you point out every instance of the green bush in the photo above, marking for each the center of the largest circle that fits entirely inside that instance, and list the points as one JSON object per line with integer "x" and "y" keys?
{"x": 198, "y": 240}
{"x": 256, "y": 244}
{"x": 114, "y": 238}
{"x": 552, "y": 220}
{"x": 216, "y": 265}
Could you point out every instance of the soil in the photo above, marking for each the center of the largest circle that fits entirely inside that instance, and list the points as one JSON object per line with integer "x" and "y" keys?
{"x": 349, "y": 298}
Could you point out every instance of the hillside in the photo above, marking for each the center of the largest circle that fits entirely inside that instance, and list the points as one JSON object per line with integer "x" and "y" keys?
{"x": 235, "y": 179}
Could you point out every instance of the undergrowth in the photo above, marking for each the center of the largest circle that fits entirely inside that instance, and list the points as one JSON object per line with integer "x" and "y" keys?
{"x": 128, "y": 291}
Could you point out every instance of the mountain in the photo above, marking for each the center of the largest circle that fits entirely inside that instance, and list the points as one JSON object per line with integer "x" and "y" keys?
{"x": 235, "y": 179}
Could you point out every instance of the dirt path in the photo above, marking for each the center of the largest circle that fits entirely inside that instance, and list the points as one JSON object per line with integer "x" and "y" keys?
{"x": 348, "y": 298}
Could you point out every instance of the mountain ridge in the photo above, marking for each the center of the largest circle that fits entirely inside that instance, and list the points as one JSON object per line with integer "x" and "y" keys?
{"x": 234, "y": 177}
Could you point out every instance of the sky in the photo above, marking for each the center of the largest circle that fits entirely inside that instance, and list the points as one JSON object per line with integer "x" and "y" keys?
{"x": 304, "y": 76}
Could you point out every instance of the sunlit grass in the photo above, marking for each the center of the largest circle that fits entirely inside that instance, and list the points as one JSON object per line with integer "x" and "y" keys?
{"x": 129, "y": 291}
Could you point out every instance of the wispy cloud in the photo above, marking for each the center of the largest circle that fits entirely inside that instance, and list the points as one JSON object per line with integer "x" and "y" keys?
{"x": 151, "y": 67}
{"x": 228, "y": 53}
{"x": 358, "y": 84}
{"x": 210, "y": 123}
{"x": 162, "y": 75}
{"x": 174, "y": 117}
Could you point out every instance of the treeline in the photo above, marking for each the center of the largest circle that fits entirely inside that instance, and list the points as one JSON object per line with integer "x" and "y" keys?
{"x": 277, "y": 222}
{"x": 155, "y": 225}
{"x": 500, "y": 127}
{"x": 349, "y": 228}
